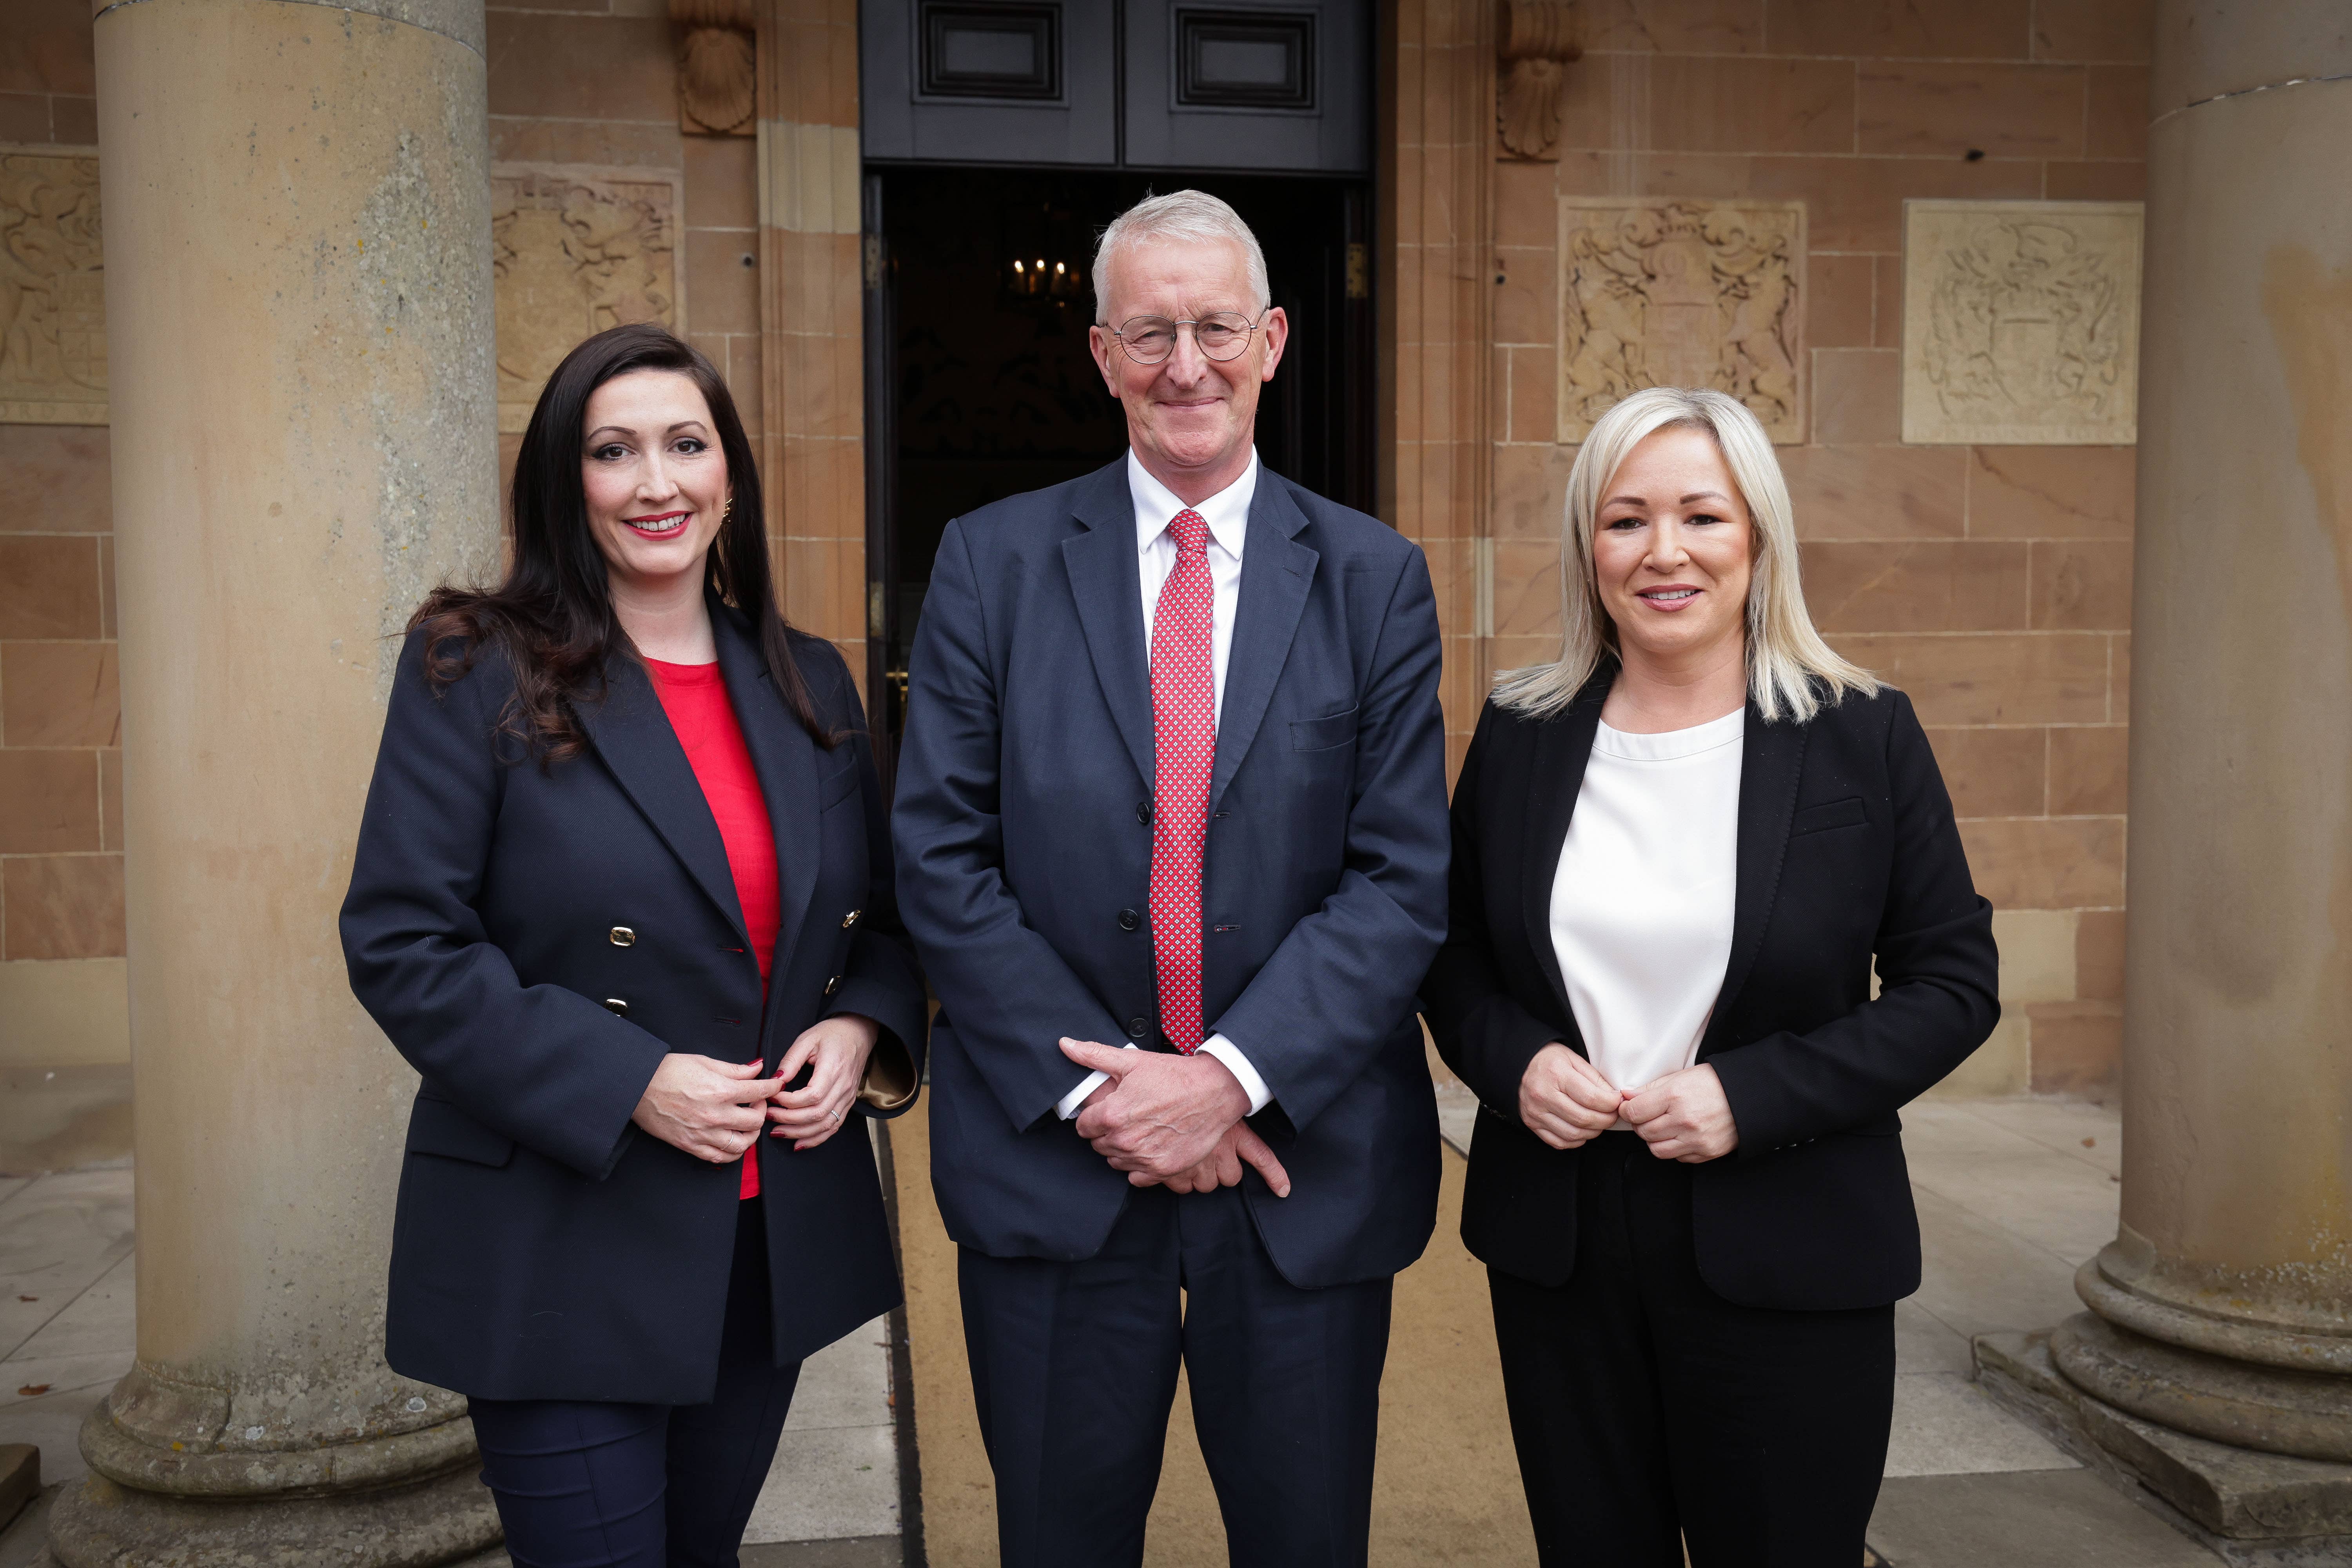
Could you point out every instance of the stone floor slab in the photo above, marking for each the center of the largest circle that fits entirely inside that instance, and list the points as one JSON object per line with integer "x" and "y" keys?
{"x": 1925, "y": 1342}
{"x": 1981, "y": 1277}
{"x": 830, "y": 1483}
{"x": 102, "y": 1320}
{"x": 2049, "y": 1519}
{"x": 59, "y": 1235}
{"x": 2045, "y": 1196}
{"x": 1944, "y": 1426}
{"x": 863, "y": 1551}
{"x": 2093, "y": 1134}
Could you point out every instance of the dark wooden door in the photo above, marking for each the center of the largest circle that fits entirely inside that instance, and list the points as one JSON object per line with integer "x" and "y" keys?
{"x": 1140, "y": 84}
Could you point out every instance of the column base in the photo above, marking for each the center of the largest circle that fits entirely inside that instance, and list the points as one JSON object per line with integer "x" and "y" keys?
{"x": 2256, "y": 1509}
{"x": 449, "y": 1520}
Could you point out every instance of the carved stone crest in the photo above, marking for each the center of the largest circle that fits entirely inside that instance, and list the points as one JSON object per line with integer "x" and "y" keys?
{"x": 2020, "y": 322}
{"x": 52, "y": 290}
{"x": 1662, "y": 292}
{"x": 575, "y": 251}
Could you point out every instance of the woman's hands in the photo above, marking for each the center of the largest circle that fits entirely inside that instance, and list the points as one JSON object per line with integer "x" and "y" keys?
{"x": 836, "y": 1048}
{"x": 1564, "y": 1099}
{"x": 1685, "y": 1116}
{"x": 712, "y": 1110}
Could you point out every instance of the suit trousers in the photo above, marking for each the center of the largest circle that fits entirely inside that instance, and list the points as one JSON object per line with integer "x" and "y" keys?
{"x": 1074, "y": 1369}
{"x": 1649, "y": 1411}
{"x": 597, "y": 1484}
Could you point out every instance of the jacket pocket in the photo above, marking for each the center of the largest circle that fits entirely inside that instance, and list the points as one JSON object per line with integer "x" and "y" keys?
{"x": 1847, "y": 812}
{"x": 438, "y": 1127}
{"x": 1333, "y": 730}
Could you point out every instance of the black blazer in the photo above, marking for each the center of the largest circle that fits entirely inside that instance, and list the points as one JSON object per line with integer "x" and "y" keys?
{"x": 535, "y": 941}
{"x": 1847, "y": 850}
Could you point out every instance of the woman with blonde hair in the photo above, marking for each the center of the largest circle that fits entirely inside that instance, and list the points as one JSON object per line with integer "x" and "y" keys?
{"x": 1678, "y": 851}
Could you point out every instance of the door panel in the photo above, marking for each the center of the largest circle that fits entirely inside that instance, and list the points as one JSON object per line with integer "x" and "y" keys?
{"x": 989, "y": 82}
{"x": 1248, "y": 84}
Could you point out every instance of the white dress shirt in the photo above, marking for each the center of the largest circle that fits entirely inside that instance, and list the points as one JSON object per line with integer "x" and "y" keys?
{"x": 1227, "y": 515}
{"x": 1642, "y": 903}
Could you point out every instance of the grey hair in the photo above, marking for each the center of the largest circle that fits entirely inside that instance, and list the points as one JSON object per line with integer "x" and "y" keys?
{"x": 1789, "y": 668}
{"x": 1195, "y": 216}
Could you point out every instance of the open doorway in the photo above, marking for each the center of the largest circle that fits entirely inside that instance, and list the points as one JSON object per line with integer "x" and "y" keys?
{"x": 980, "y": 384}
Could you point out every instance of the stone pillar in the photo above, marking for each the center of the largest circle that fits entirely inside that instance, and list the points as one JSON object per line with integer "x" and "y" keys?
{"x": 2216, "y": 1363}
{"x": 298, "y": 315}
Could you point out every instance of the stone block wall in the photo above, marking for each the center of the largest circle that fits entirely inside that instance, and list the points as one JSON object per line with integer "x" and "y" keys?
{"x": 61, "y": 965}
{"x": 1993, "y": 584}
{"x": 593, "y": 84}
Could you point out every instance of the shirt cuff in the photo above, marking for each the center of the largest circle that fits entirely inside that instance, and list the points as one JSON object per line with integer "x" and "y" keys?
{"x": 1225, "y": 1051}
{"x": 1067, "y": 1106}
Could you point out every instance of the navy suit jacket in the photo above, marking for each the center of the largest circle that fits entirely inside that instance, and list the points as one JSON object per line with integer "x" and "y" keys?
{"x": 544, "y": 1247}
{"x": 1023, "y": 825}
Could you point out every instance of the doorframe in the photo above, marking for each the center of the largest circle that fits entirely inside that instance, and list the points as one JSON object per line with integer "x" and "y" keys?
{"x": 1432, "y": 259}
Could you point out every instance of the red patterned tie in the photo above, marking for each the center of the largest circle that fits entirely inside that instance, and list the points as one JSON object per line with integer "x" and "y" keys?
{"x": 1184, "y": 745}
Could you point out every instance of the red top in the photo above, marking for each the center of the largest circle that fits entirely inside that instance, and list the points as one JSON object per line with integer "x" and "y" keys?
{"x": 695, "y": 698}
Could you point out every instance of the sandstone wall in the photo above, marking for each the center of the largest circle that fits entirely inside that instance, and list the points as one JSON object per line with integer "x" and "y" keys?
{"x": 1992, "y": 583}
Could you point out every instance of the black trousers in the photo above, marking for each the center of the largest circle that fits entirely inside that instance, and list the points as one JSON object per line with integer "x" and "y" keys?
{"x": 1074, "y": 1369}
{"x": 592, "y": 1484}
{"x": 1648, "y": 1410}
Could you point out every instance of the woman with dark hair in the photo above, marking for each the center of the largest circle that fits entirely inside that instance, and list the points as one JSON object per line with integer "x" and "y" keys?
{"x": 623, "y": 897}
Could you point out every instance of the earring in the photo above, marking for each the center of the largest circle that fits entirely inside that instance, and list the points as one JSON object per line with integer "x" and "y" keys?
{"x": 729, "y": 513}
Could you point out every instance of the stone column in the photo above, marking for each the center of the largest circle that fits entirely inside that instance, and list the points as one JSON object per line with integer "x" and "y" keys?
{"x": 2216, "y": 1363}
{"x": 298, "y": 315}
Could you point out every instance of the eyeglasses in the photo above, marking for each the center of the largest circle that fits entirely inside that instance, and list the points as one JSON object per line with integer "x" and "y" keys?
{"x": 1149, "y": 340}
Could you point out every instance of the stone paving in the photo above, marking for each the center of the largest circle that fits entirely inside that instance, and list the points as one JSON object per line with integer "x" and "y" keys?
{"x": 66, "y": 1298}
{"x": 2013, "y": 1195}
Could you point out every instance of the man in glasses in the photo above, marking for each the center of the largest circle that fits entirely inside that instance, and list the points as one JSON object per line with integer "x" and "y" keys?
{"x": 1173, "y": 840}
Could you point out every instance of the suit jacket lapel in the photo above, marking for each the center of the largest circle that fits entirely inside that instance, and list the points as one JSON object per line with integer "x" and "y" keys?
{"x": 634, "y": 737}
{"x": 1108, "y": 583}
{"x": 1563, "y": 745}
{"x": 1771, "y": 761}
{"x": 1276, "y": 571}
{"x": 785, "y": 759}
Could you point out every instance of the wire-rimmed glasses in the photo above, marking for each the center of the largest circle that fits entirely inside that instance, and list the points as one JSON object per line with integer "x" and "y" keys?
{"x": 1149, "y": 339}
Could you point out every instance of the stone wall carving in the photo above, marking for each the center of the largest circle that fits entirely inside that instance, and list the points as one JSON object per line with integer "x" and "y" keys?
{"x": 575, "y": 251}
{"x": 718, "y": 67}
{"x": 1537, "y": 40}
{"x": 2020, "y": 322}
{"x": 52, "y": 290}
{"x": 1663, "y": 292}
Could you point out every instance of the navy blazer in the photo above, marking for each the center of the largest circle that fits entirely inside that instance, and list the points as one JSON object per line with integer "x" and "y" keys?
{"x": 534, "y": 940}
{"x": 1847, "y": 851}
{"x": 1023, "y": 829}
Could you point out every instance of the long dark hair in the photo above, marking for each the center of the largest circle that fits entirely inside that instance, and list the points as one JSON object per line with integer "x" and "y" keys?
{"x": 552, "y": 616}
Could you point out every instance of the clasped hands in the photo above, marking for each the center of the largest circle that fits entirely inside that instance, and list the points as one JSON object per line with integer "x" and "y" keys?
{"x": 1172, "y": 1121}
{"x": 714, "y": 1109}
{"x": 1685, "y": 1116}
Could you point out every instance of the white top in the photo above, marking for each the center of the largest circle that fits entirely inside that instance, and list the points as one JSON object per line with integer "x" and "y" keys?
{"x": 1227, "y": 515}
{"x": 1641, "y": 907}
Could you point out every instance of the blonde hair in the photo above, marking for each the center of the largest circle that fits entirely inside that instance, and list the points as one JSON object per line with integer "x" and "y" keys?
{"x": 1195, "y": 216}
{"x": 1789, "y": 668}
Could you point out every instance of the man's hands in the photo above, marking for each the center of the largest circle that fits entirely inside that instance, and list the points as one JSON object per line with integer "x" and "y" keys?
{"x": 710, "y": 1108}
{"x": 836, "y": 1048}
{"x": 1685, "y": 1116}
{"x": 1171, "y": 1120}
{"x": 1564, "y": 1099}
